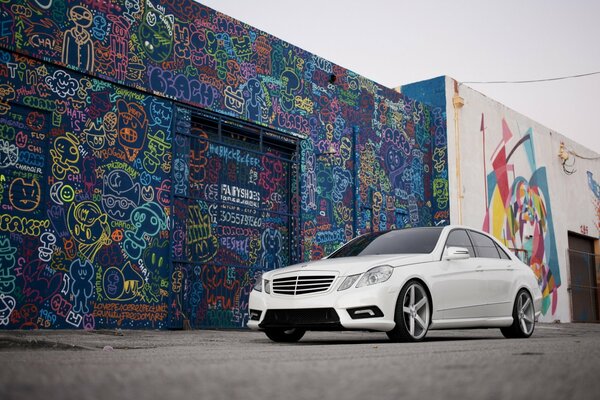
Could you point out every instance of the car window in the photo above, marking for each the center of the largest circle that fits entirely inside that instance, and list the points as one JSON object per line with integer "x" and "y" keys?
{"x": 484, "y": 246}
{"x": 459, "y": 238}
{"x": 502, "y": 253}
{"x": 403, "y": 241}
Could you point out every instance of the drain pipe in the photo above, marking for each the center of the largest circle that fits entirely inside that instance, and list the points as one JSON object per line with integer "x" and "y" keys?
{"x": 458, "y": 103}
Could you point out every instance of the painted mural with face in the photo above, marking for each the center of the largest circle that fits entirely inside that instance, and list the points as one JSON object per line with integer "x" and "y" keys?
{"x": 89, "y": 227}
{"x": 396, "y": 164}
{"x": 156, "y": 32}
{"x": 25, "y": 194}
{"x": 120, "y": 195}
{"x": 78, "y": 46}
{"x": 133, "y": 126}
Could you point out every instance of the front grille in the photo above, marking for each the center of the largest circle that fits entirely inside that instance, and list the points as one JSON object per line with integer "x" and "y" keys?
{"x": 297, "y": 285}
{"x": 310, "y": 318}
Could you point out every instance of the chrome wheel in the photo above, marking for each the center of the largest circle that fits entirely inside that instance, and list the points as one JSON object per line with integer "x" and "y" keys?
{"x": 526, "y": 313}
{"x": 415, "y": 310}
{"x": 413, "y": 314}
{"x": 523, "y": 317}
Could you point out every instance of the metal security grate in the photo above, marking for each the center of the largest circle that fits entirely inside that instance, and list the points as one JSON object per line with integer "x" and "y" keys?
{"x": 298, "y": 285}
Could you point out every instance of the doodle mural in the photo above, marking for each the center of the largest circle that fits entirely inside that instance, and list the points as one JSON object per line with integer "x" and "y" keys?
{"x": 519, "y": 212}
{"x": 179, "y": 226}
{"x": 83, "y": 229}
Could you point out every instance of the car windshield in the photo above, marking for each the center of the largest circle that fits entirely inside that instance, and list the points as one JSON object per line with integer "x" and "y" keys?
{"x": 405, "y": 241}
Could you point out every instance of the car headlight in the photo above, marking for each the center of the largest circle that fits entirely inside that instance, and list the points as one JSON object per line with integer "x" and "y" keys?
{"x": 348, "y": 282}
{"x": 375, "y": 275}
{"x": 267, "y": 286}
{"x": 258, "y": 285}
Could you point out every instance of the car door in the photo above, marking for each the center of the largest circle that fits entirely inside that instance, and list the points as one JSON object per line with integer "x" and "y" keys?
{"x": 457, "y": 286}
{"x": 497, "y": 273}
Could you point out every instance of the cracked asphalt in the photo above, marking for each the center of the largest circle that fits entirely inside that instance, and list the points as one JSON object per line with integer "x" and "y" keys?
{"x": 559, "y": 361}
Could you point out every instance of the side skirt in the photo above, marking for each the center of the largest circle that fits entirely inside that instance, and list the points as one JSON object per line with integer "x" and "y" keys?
{"x": 498, "y": 322}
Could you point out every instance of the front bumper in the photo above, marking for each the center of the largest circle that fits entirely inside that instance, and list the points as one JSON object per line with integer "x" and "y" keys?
{"x": 329, "y": 311}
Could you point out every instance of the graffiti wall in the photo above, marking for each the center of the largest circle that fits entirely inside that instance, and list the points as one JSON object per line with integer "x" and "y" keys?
{"x": 233, "y": 219}
{"x": 84, "y": 199}
{"x": 514, "y": 185}
{"x": 370, "y": 158}
{"x": 595, "y": 198}
{"x": 519, "y": 212}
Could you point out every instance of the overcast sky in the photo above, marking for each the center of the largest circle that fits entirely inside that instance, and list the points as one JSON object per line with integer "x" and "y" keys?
{"x": 395, "y": 42}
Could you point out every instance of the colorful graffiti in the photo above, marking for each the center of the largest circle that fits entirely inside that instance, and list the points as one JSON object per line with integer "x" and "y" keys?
{"x": 370, "y": 158}
{"x": 519, "y": 212}
{"x": 83, "y": 225}
{"x": 233, "y": 220}
{"x": 595, "y": 188}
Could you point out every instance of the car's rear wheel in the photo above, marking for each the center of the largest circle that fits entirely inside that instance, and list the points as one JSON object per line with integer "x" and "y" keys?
{"x": 413, "y": 313}
{"x": 523, "y": 317}
{"x": 285, "y": 335}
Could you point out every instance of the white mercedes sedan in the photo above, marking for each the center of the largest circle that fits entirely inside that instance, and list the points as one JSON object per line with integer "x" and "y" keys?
{"x": 402, "y": 282}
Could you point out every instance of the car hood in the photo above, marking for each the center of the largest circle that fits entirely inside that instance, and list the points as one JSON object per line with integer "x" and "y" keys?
{"x": 352, "y": 265}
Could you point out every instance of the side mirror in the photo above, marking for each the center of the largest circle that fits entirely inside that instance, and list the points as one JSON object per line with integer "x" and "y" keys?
{"x": 456, "y": 253}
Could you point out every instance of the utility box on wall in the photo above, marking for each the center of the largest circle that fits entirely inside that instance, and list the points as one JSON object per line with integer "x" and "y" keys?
{"x": 156, "y": 157}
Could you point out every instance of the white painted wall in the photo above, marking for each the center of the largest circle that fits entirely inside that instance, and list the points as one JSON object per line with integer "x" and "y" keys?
{"x": 571, "y": 200}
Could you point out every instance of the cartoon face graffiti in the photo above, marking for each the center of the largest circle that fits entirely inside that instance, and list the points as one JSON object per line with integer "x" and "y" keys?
{"x": 133, "y": 124}
{"x": 155, "y": 255}
{"x": 181, "y": 175}
{"x": 271, "y": 242}
{"x": 120, "y": 196}
{"x": 82, "y": 275}
{"x": 342, "y": 179}
{"x": 81, "y": 16}
{"x": 24, "y": 194}
{"x": 156, "y": 33}
{"x": 65, "y": 155}
{"x": 89, "y": 227}
{"x": 7, "y": 305}
{"x": 95, "y": 135}
{"x": 78, "y": 47}
{"x": 148, "y": 220}
{"x": 393, "y": 159}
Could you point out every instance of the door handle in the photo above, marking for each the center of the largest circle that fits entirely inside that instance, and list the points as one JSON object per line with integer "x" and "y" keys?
{"x": 479, "y": 268}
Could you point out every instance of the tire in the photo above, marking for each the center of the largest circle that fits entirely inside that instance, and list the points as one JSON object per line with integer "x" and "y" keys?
{"x": 523, "y": 317}
{"x": 281, "y": 335}
{"x": 413, "y": 314}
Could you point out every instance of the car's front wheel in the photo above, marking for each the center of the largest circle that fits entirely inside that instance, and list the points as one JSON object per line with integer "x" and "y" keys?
{"x": 523, "y": 317}
{"x": 413, "y": 313}
{"x": 285, "y": 335}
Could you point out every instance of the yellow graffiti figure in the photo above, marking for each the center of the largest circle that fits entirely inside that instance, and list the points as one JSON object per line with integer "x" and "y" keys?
{"x": 89, "y": 227}
{"x": 65, "y": 155}
{"x": 200, "y": 240}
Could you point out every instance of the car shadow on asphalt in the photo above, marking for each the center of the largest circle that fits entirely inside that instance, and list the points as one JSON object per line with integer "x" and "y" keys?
{"x": 334, "y": 342}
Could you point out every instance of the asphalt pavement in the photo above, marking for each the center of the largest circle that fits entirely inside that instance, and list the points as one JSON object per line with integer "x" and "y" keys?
{"x": 560, "y": 361}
